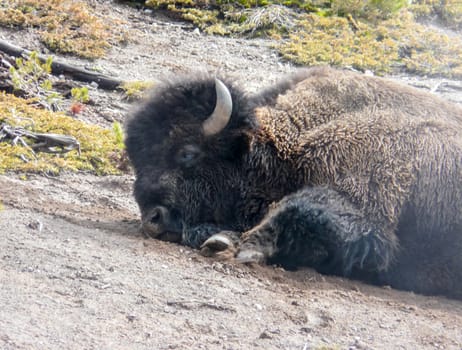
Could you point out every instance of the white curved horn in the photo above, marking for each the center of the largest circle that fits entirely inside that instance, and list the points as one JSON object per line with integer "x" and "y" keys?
{"x": 222, "y": 112}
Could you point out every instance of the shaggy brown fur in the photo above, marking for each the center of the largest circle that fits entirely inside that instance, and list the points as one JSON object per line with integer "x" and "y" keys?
{"x": 383, "y": 144}
{"x": 365, "y": 176}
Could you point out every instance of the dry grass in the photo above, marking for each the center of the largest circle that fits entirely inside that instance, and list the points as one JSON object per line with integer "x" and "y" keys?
{"x": 64, "y": 26}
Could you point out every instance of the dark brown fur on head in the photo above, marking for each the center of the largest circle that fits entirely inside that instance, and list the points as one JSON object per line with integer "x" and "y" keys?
{"x": 168, "y": 149}
{"x": 167, "y": 130}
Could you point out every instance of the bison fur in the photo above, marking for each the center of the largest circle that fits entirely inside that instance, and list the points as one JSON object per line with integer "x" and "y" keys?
{"x": 353, "y": 175}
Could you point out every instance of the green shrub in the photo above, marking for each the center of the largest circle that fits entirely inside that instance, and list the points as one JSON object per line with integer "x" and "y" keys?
{"x": 80, "y": 94}
{"x": 30, "y": 77}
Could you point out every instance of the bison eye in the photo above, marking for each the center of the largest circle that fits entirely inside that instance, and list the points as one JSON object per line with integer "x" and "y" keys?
{"x": 187, "y": 155}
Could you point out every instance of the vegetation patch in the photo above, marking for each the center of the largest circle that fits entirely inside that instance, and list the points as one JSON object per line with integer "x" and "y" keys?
{"x": 223, "y": 17}
{"x": 379, "y": 35}
{"x": 334, "y": 41}
{"x": 371, "y": 10}
{"x": 392, "y": 45}
{"x": 65, "y": 26}
{"x": 101, "y": 150}
{"x": 261, "y": 16}
{"x": 448, "y": 12}
{"x": 134, "y": 90}
{"x": 31, "y": 78}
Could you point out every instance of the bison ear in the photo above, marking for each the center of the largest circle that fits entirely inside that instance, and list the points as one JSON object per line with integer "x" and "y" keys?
{"x": 222, "y": 112}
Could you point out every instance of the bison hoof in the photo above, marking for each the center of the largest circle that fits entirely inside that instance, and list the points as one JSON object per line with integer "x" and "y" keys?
{"x": 218, "y": 242}
{"x": 250, "y": 256}
{"x": 219, "y": 246}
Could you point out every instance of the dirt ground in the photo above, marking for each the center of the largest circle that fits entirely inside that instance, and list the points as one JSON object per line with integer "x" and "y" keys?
{"x": 75, "y": 273}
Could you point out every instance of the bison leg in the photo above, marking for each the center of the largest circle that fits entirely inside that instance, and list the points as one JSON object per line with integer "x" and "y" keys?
{"x": 321, "y": 228}
{"x": 209, "y": 237}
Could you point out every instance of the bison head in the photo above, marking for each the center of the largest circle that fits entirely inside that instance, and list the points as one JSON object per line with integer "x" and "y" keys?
{"x": 186, "y": 144}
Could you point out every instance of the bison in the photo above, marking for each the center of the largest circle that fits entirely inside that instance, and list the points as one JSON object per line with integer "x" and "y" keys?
{"x": 350, "y": 174}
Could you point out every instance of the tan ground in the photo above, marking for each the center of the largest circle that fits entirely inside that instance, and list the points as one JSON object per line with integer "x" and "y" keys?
{"x": 76, "y": 274}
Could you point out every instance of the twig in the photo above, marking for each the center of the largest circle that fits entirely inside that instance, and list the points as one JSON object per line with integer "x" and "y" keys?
{"x": 450, "y": 86}
{"x": 194, "y": 304}
{"x": 353, "y": 22}
{"x": 436, "y": 87}
{"x": 6, "y": 63}
{"x": 57, "y": 68}
{"x": 7, "y": 131}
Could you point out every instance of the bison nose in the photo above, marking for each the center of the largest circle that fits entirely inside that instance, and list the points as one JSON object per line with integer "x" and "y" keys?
{"x": 159, "y": 223}
{"x": 156, "y": 215}
{"x": 154, "y": 220}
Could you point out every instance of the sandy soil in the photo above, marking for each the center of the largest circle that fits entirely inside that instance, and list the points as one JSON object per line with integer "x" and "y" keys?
{"x": 75, "y": 273}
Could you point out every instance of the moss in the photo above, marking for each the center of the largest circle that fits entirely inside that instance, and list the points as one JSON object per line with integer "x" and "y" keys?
{"x": 118, "y": 135}
{"x": 429, "y": 52}
{"x": 328, "y": 347}
{"x": 200, "y": 18}
{"x": 100, "y": 148}
{"x": 11, "y": 17}
{"x": 334, "y": 41}
{"x": 449, "y": 12}
{"x": 135, "y": 89}
{"x": 390, "y": 46}
{"x": 372, "y": 10}
{"x": 64, "y": 26}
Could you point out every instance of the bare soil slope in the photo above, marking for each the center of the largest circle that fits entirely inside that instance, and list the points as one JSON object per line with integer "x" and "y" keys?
{"x": 76, "y": 274}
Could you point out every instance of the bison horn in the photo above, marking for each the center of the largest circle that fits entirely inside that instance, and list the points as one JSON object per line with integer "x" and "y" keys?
{"x": 222, "y": 112}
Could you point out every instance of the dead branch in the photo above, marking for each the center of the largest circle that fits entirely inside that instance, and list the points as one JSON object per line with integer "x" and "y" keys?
{"x": 58, "y": 68}
{"x": 42, "y": 142}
